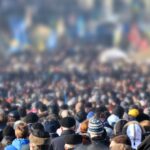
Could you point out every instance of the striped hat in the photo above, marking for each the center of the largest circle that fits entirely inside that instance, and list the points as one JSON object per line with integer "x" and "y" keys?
{"x": 95, "y": 127}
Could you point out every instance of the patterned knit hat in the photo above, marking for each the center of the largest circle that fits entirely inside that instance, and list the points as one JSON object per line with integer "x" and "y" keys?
{"x": 95, "y": 127}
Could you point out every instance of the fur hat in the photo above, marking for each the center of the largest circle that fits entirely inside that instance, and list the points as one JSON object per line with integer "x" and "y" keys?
{"x": 39, "y": 140}
{"x": 39, "y": 137}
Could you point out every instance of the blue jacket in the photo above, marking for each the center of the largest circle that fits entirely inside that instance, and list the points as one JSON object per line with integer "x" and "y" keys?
{"x": 18, "y": 143}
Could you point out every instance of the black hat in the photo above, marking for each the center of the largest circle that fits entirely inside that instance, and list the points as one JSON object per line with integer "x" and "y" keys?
{"x": 14, "y": 114}
{"x": 67, "y": 122}
{"x": 88, "y": 105}
{"x": 118, "y": 111}
{"x": 31, "y": 118}
{"x": 81, "y": 116}
{"x": 73, "y": 139}
{"x": 37, "y": 126}
{"x": 51, "y": 126}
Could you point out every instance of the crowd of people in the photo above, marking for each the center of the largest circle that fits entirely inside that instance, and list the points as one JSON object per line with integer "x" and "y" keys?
{"x": 70, "y": 100}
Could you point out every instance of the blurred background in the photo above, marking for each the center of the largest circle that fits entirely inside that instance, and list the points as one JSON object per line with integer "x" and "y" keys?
{"x": 53, "y": 26}
{"x": 58, "y": 46}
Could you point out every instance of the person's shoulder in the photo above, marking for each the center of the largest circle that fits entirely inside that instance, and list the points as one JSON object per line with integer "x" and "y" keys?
{"x": 10, "y": 147}
{"x": 98, "y": 146}
{"x": 56, "y": 139}
{"x": 25, "y": 147}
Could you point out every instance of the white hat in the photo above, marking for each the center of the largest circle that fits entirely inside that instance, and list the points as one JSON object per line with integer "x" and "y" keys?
{"x": 134, "y": 132}
{"x": 112, "y": 119}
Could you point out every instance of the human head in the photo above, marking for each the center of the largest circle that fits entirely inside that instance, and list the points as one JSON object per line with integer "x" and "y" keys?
{"x": 68, "y": 123}
{"x": 21, "y": 130}
{"x": 39, "y": 140}
{"x": 71, "y": 140}
{"x": 96, "y": 129}
{"x": 133, "y": 114}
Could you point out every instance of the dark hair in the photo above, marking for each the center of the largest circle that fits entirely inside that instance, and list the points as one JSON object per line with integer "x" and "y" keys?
{"x": 8, "y": 131}
{"x": 80, "y": 116}
{"x": 37, "y": 126}
{"x": 31, "y": 118}
{"x": 118, "y": 111}
{"x": 22, "y": 112}
{"x": 42, "y": 107}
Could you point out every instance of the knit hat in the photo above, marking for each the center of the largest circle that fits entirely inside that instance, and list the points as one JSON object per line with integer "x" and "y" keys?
{"x": 67, "y": 122}
{"x": 95, "y": 127}
{"x": 133, "y": 112}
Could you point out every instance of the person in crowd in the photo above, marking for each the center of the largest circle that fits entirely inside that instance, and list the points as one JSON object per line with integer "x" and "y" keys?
{"x": 118, "y": 128}
{"x": 68, "y": 126}
{"x": 120, "y": 142}
{"x": 21, "y": 133}
{"x": 135, "y": 132}
{"x": 72, "y": 141}
{"x": 39, "y": 139}
{"x": 8, "y": 136}
{"x": 97, "y": 135}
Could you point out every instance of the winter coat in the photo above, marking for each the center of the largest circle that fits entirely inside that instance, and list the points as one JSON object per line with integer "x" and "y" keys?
{"x": 97, "y": 145}
{"x": 19, "y": 143}
{"x": 58, "y": 142}
{"x": 145, "y": 145}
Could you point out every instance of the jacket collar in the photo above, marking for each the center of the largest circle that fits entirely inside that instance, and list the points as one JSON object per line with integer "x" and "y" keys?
{"x": 66, "y": 132}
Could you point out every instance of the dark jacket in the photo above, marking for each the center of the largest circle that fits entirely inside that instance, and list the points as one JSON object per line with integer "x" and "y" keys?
{"x": 58, "y": 142}
{"x": 81, "y": 147}
{"x": 97, "y": 145}
{"x": 145, "y": 145}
